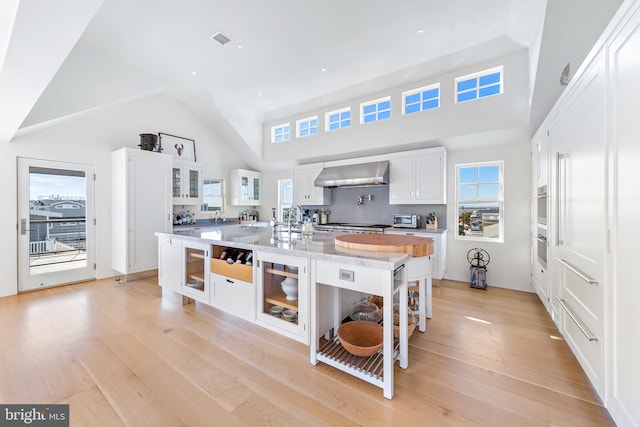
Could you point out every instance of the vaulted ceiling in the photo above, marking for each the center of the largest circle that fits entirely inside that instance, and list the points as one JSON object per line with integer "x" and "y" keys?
{"x": 60, "y": 58}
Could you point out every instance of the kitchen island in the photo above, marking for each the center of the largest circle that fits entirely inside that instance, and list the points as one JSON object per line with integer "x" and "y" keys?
{"x": 328, "y": 278}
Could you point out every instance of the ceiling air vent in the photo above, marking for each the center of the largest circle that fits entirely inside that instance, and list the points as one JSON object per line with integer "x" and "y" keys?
{"x": 221, "y": 38}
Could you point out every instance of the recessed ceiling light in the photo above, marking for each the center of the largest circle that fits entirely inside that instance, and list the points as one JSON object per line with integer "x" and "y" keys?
{"x": 239, "y": 46}
{"x": 259, "y": 93}
{"x": 193, "y": 73}
{"x": 323, "y": 69}
{"x": 220, "y": 38}
{"x": 419, "y": 31}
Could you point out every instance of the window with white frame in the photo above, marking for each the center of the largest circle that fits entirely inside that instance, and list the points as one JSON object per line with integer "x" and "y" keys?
{"x": 480, "y": 201}
{"x": 421, "y": 99}
{"x": 212, "y": 195}
{"x": 338, "y": 119}
{"x": 281, "y": 133}
{"x": 307, "y": 127}
{"x": 285, "y": 199}
{"x": 479, "y": 85}
{"x": 373, "y": 111}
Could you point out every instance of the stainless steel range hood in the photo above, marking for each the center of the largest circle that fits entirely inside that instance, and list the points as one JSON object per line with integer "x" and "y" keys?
{"x": 358, "y": 175}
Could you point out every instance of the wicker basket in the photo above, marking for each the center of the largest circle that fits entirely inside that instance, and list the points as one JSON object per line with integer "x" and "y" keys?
{"x": 396, "y": 321}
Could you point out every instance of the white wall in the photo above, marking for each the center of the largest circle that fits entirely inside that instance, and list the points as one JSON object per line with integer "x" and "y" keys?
{"x": 89, "y": 138}
{"x": 510, "y": 265}
{"x": 506, "y": 111}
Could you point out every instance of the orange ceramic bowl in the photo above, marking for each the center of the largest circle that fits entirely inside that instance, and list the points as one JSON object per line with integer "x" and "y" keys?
{"x": 361, "y": 337}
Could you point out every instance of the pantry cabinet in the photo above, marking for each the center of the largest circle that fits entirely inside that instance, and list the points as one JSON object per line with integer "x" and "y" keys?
{"x": 418, "y": 177}
{"x": 140, "y": 207}
{"x": 186, "y": 183}
{"x": 246, "y": 187}
{"x": 592, "y": 134}
{"x": 304, "y": 191}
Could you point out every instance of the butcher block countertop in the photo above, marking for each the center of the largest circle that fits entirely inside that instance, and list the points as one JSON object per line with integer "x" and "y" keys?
{"x": 417, "y": 246}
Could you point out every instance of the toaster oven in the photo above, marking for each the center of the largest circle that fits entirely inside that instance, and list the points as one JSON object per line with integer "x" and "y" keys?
{"x": 406, "y": 221}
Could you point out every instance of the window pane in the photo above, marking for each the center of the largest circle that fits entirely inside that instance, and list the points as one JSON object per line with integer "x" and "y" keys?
{"x": 428, "y": 105}
{"x": 466, "y": 96}
{"x": 368, "y": 109}
{"x": 489, "y": 192}
{"x": 467, "y": 84}
{"x": 345, "y": 115}
{"x": 314, "y": 122}
{"x": 314, "y": 131}
{"x": 489, "y": 173}
{"x": 385, "y": 105}
{"x": 279, "y": 131}
{"x": 468, "y": 175}
{"x": 468, "y": 192}
{"x": 384, "y": 115}
{"x": 410, "y": 99}
{"x": 490, "y": 79}
{"x": 346, "y": 123}
{"x": 333, "y": 118}
{"x": 490, "y": 90}
{"x": 304, "y": 125}
{"x": 304, "y": 132}
{"x": 433, "y": 93}
{"x": 414, "y": 108}
{"x": 369, "y": 118}
{"x": 334, "y": 126}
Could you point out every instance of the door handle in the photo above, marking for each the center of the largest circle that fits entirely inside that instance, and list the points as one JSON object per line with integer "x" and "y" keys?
{"x": 23, "y": 226}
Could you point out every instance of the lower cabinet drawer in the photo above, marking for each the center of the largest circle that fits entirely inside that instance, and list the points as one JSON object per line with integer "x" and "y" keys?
{"x": 585, "y": 344}
{"x": 233, "y": 295}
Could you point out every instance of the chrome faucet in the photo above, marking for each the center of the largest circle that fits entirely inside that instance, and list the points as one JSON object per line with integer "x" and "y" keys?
{"x": 291, "y": 210}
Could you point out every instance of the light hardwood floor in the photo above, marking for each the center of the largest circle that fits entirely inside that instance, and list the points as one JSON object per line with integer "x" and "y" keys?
{"x": 120, "y": 354}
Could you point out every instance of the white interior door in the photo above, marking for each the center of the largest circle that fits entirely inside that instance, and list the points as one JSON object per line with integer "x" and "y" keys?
{"x": 56, "y": 231}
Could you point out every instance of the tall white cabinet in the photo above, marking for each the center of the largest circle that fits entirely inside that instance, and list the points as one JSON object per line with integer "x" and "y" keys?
{"x": 593, "y": 135}
{"x": 140, "y": 207}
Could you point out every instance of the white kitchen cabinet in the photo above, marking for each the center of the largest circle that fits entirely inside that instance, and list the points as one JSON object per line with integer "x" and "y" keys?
{"x": 623, "y": 292}
{"x": 304, "y": 192}
{"x": 195, "y": 275}
{"x": 577, "y": 263}
{"x": 184, "y": 267}
{"x": 186, "y": 183}
{"x": 283, "y": 281}
{"x": 170, "y": 263}
{"x": 246, "y": 187}
{"x": 140, "y": 207}
{"x": 418, "y": 177}
{"x": 439, "y": 257}
{"x": 233, "y": 295}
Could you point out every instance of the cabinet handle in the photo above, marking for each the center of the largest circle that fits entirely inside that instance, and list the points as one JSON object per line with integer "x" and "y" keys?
{"x": 577, "y": 272}
{"x": 561, "y": 194}
{"x": 230, "y": 281}
{"x": 585, "y": 331}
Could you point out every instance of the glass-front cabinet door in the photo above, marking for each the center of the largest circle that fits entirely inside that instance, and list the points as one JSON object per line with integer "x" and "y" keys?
{"x": 256, "y": 189}
{"x": 196, "y": 271}
{"x": 194, "y": 183}
{"x": 176, "y": 182}
{"x": 282, "y": 295}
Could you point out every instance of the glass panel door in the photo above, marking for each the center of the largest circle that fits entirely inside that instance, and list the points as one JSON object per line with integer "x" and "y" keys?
{"x": 176, "y": 183}
{"x": 56, "y": 230}
{"x": 194, "y": 181}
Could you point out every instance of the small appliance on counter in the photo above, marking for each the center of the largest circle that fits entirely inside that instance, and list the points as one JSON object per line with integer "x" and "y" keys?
{"x": 406, "y": 221}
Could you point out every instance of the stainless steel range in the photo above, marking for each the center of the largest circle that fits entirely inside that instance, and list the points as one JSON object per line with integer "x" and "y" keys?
{"x": 352, "y": 227}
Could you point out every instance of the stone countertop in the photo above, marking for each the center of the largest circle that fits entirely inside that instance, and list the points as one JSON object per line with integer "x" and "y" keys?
{"x": 319, "y": 246}
{"x": 417, "y": 230}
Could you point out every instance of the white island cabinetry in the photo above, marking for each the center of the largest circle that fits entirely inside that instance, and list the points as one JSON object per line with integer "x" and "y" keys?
{"x": 283, "y": 283}
{"x": 439, "y": 237}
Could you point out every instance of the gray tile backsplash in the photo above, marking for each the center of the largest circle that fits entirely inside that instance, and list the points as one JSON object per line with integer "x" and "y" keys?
{"x": 344, "y": 207}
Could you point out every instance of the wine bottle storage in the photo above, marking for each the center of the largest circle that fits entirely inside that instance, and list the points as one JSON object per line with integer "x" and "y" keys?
{"x": 231, "y": 262}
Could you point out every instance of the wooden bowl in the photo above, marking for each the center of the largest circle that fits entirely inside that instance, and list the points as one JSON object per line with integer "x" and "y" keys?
{"x": 361, "y": 337}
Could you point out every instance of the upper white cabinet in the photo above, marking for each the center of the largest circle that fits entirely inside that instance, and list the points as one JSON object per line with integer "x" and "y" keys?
{"x": 186, "y": 183}
{"x": 246, "y": 187}
{"x": 140, "y": 207}
{"x": 418, "y": 177}
{"x": 304, "y": 192}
